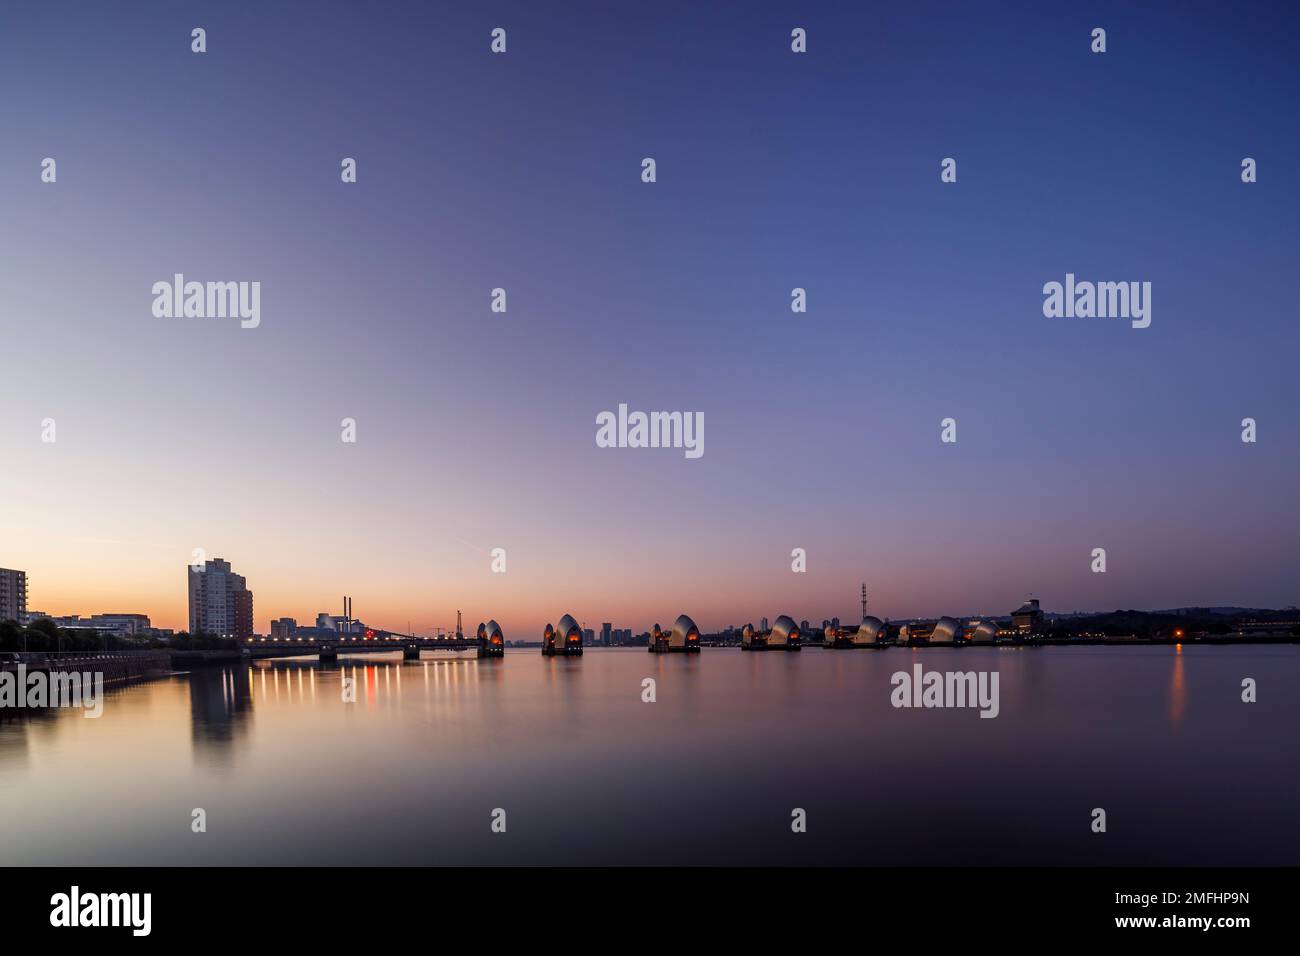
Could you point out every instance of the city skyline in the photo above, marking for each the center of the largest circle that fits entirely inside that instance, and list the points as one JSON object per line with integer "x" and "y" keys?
{"x": 477, "y": 430}
{"x": 592, "y": 626}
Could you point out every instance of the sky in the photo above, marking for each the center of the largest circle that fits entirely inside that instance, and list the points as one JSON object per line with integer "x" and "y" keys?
{"x": 775, "y": 170}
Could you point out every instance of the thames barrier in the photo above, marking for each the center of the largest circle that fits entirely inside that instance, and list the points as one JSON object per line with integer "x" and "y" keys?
{"x": 1027, "y": 625}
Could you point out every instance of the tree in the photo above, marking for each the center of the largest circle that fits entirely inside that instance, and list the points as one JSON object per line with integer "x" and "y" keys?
{"x": 42, "y": 635}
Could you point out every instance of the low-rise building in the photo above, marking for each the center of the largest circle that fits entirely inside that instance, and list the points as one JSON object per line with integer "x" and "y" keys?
{"x": 1028, "y": 618}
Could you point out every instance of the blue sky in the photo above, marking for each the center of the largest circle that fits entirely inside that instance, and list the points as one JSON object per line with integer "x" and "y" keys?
{"x": 775, "y": 170}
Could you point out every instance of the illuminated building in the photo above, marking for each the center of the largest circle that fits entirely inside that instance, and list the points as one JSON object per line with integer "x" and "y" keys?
{"x": 564, "y": 640}
{"x": 1028, "y": 618}
{"x": 784, "y": 636}
{"x": 683, "y": 638}
{"x": 947, "y": 630}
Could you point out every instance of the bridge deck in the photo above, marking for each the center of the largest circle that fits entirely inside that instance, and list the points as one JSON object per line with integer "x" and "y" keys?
{"x": 293, "y": 647}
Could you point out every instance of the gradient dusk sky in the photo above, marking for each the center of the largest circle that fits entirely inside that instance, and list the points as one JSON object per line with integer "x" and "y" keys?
{"x": 775, "y": 170}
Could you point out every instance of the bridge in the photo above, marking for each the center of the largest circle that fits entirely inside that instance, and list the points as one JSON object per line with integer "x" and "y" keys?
{"x": 368, "y": 642}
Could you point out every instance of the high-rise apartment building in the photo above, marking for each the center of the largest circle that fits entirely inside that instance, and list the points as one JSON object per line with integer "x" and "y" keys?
{"x": 220, "y": 602}
{"x": 13, "y": 595}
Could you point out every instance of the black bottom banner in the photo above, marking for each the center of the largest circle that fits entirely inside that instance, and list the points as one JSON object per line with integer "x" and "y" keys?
{"x": 331, "y": 905}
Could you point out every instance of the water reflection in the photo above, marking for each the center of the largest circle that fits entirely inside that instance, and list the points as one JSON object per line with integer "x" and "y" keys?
{"x": 223, "y": 699}
{"x": 591, "y": 773}
{"x": 1177, "y": 689}
{"x": 221, "y": 705}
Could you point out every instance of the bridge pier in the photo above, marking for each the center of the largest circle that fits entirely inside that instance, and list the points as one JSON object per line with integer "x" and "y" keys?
{"x": 328, "y": 652}
{"x": 411, "y": 652}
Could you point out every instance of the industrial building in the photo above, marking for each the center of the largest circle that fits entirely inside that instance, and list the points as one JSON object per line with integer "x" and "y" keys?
{"x": 947, "y": 630}
{"x": 1028, "y": 618}
{"x": 684, "y": 638}
{"x": 784, "y": 636}
{"x": 915, "y": 632}
{"x": 491, "y": 641}
{"x": 564, "y": 640}
{"x": 872, "y": 632}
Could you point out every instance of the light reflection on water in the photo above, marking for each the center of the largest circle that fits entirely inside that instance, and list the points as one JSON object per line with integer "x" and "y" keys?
{"x": 1177, "y": 689}
{"x": 588, "y": 773}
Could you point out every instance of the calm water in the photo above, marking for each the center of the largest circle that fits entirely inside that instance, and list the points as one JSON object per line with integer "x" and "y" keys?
{"x": 589, "y": 774}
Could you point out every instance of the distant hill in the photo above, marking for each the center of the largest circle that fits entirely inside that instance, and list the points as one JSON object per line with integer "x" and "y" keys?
{"x": 1227, "y": 611}
{"x": 1211, "y": 620}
